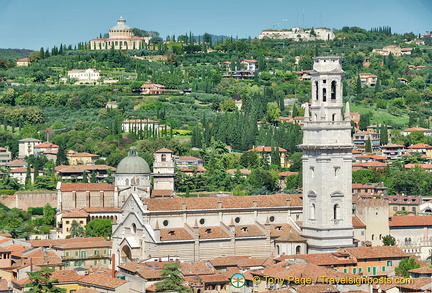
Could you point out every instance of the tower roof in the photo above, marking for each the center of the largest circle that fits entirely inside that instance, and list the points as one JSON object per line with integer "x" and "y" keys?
{"x": 133, "y": 164}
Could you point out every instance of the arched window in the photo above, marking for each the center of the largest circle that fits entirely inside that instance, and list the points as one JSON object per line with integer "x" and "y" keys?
{"x": 312, "y": 211}
{"x": 333, "y": 117}
{"x": 373, "y": 236}
{"x": 298, "y": 249}
{"x": 324, "y": 95}
{"x": 277, "y": 250}
{"x": 163, "y": 158}
{"x": 137, "y": 181}
{"x": 336, "y": 211}
{"x": 127, "y": 181}
{"x": 316, "y": 90}
{"x": 333, "y": 90}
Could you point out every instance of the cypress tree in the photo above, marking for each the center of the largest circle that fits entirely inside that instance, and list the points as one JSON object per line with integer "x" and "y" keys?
{"x": 28, "y": 175}
{"x": 93, "y": 178}
{"x": 85, "y": 177}
{"x": 383, "y": 134}
{"x": 368, "y": 146}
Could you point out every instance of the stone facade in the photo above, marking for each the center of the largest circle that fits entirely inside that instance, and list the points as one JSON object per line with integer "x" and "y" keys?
{"x": 207, "y": 227}
{"x": 327, "y": 162}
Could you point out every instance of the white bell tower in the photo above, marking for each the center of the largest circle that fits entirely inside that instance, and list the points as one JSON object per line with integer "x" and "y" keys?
{"x": 327, "y": 162}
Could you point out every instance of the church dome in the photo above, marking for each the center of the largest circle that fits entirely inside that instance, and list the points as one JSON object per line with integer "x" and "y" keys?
{"x": 121, "y": 24}
{"x": 133, "y": 164}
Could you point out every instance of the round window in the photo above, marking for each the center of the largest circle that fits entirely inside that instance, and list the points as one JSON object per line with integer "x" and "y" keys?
{"x": 202, "y": 221}
{"x": 134, "y": 229}
{"x": 165, "y": 223}
{"x": 237, "y": 220}
{"x": 272, "y": 219}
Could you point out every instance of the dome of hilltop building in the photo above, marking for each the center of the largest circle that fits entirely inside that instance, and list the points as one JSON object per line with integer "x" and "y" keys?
{"x": 121, "y": 30}
{"x": 133, "y": 164}
{"x": 132, "y": 176}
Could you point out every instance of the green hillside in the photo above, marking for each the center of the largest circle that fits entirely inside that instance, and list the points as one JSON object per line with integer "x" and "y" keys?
{"x": 14, "y": 53}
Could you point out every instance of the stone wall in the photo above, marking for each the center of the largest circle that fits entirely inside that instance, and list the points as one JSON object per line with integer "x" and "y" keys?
{"x": 24, "y": 200}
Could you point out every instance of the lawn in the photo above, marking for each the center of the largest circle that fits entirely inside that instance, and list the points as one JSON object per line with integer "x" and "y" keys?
{"x": 380, "y": 115}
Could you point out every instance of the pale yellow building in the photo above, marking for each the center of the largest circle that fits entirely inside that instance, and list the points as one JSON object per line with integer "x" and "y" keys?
{"x": 82, "y": 158}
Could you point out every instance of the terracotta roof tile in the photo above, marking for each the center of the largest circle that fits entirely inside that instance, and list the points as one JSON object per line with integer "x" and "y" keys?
{"x": 192, "y": 203}
{"x": 406, "y": 221}
{"x": 17, "y": 163}
{"x": 416, "y": 129}
{"x": 266, "y": 149}
{"x": 357, "y": 223}
{"x": 86, "y": 187}
{"x": 364, "y": 252}
{"x": 322, "y": 259}
{"x": 81, "y": 168}
{"x": 240, "y": 261}
{"x": 99, "y": 280}
{"x": 46, "y": 145}
{"x": 162, "y": 193}
{"x": 75, "y": 213}
{"x": 212, "y": 232}
{"x": 423, "y": 270}
{"x": 56, "y": 242}
{"x": 175, "y": 234}
{"x": 248, "y": 231}
{"x": 196, "y": 268}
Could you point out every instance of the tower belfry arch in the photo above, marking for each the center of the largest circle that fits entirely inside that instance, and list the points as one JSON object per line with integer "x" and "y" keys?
{"x": 327, "y": 161}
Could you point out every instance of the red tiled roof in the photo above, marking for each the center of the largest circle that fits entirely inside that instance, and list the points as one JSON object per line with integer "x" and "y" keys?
{"x": 192, "y": 203}
{"x": 75, "y": 213}
{"x": 287, "y": 173}
{"x": 102, "y": 280}
{"x": 175, "y": 234}
{"x": 21, "y": 170}
{"x": 240, "y": 261}
{"x": 56, "y": 242}
{"x": 265, "y": 149}
{"x": 46, "y": 145}
{"x": 420, "y": 146}
{"x": 322, "y": 259}
{"x": 17, "y": 163}
{"x": 357, "y": 223}
{"x": 416, "y": 129}
{"x": 423, "y": 166}
{"x": 407, "y": 221}
{"x": 373, "y": 252}
{"x": 86, "y": 187}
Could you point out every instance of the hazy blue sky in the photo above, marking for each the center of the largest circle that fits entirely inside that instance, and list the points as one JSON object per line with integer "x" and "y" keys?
{"x": 33, "y": 24}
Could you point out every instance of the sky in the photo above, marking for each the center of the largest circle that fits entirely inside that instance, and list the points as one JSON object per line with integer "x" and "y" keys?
{"x": 32, "y": 24}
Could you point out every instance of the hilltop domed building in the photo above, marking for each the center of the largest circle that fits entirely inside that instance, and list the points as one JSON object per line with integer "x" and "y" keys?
{"x": 121, "y": 37}
{"x": 133, "y": 176}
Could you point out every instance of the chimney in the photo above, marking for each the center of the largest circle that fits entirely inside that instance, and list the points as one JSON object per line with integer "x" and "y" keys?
{"x": 113, "y": 265}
